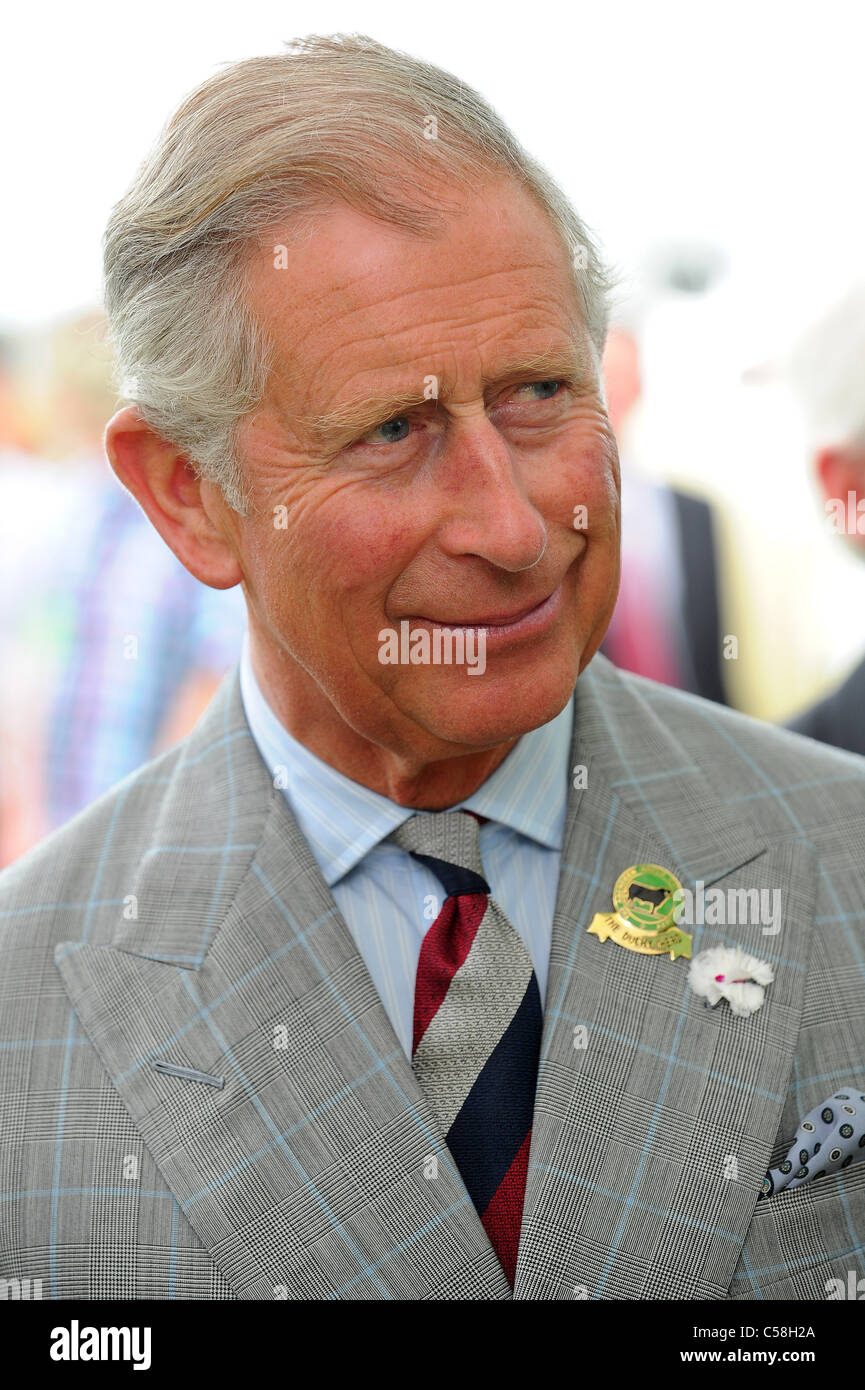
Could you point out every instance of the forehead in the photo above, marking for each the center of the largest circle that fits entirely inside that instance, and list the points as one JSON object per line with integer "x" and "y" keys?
{"x": 360, "y": 301}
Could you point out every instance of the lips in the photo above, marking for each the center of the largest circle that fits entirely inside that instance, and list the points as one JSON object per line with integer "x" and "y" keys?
{"x": 500, "y": 619}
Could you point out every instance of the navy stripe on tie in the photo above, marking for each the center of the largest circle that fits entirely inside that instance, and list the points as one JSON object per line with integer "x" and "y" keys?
{"x": 453, "y": 878}
{"x": 497, "y": 1113}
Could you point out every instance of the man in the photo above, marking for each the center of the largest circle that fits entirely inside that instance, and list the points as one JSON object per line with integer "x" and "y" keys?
{"x": 309, "y": 1006}
{"x": 826, "y": 372}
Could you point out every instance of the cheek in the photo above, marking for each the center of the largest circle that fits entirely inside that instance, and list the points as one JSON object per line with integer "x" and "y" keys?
{"x": 583, "y": 490}
{"x": 364, "y": 544}
{"x": 350, "y": 540}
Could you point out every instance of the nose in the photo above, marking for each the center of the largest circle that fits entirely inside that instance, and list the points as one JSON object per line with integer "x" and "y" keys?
{"x": 485, "y": 504}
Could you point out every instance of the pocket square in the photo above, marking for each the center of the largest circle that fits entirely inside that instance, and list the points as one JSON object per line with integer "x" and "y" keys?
{"x": 831, "y": 1136}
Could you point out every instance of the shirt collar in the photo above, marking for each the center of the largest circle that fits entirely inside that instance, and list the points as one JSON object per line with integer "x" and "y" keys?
{"x": 342, "y": 820}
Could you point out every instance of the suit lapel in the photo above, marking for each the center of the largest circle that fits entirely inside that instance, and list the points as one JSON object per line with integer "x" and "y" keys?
{"x": 655, "y": 1115}
{"x": 316, "y": 1169}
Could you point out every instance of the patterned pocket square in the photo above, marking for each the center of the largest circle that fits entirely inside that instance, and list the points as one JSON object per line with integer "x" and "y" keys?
{"x": 834, "y": 1130}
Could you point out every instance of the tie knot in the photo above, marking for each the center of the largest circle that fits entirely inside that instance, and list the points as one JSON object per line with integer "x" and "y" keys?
{"x": 448, "y": 842}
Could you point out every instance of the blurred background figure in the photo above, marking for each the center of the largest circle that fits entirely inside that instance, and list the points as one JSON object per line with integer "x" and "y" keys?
{"x": 19, "y": 691}
{"x": 109, "y": 648}
{"x": 827, "y": 375}
{"x": 666, "y": 623}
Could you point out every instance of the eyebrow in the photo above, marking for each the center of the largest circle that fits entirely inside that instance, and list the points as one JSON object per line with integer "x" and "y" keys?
{"x": 356, "y": 418}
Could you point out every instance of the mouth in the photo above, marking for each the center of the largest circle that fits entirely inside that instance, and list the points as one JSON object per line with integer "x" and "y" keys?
{"x": 523, "y": 621}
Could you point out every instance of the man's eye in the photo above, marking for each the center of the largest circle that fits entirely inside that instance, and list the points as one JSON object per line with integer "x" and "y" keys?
{"x": 391, "y": 432}
{"x": 543, "y": 390}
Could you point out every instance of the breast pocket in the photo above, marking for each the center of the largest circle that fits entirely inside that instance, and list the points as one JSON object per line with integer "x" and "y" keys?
{"x": 807, "y": 1242}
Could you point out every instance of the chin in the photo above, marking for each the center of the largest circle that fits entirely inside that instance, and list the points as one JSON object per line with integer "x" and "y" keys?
{"x": 484, "y": 711}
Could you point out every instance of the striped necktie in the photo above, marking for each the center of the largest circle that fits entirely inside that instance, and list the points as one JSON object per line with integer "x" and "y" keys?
{"x": 477, "y": 1026}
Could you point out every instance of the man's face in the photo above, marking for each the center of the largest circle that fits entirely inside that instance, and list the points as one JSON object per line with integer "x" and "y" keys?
{"x": 433, "y": 417}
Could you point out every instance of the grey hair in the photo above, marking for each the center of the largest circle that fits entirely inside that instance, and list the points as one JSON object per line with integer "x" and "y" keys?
{"x": 338, "y": 118}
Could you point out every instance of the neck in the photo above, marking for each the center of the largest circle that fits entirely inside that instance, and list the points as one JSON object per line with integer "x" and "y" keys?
{"x": 441, "y": 777}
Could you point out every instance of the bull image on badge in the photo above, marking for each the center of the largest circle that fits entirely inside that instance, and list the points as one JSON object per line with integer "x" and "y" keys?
{"x": 643, "y": 917}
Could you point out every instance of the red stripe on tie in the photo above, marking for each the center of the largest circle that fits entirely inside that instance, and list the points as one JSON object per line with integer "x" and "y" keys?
{"x": 504, "y": 1215}
{"x": 442, "y": 952}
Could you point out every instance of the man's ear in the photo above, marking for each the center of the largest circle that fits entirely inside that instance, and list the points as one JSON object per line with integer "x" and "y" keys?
{"x": 190, "y": 514}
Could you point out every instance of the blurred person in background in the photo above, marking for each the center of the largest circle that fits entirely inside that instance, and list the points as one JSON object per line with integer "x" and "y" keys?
{"x": 666, "y": 623}
{"x": 25, "y": 492}
{"x": 827, "y": 372}
{"x": 16, "y": 429}
{"x": 111, "y": 649}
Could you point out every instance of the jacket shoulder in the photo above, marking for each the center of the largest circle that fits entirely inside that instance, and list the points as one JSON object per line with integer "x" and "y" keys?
{"x": 781, "y": 779}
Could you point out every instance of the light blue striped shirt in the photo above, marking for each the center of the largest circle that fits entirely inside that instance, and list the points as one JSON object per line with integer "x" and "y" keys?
{"x": 388, "y": 899}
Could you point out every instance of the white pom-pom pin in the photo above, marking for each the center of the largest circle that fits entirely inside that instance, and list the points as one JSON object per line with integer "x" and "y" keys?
{"x": 727, "y": 972}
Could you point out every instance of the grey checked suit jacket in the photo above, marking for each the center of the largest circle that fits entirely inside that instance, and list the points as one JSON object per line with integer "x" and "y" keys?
{"x": 182, "y": 918}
